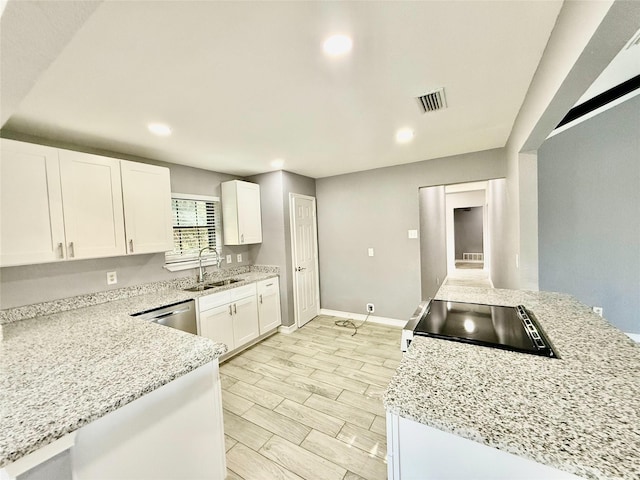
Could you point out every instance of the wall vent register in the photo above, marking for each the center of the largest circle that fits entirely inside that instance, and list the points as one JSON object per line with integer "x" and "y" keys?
{"x": 507, "y": 328}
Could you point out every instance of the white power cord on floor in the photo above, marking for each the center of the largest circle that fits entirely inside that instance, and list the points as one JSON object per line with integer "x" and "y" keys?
{"x": 350, "y": 323}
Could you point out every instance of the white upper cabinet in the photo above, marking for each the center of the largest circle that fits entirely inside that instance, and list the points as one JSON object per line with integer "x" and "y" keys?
{"x": 63, "y": 205}
{"x": 32, "y": 229}
{"x": 92, "y": 204}
{"x": 241, "y": 215}
{"x": 146, "y": 192}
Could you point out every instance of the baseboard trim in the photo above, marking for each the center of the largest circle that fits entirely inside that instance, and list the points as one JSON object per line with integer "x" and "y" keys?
{"x": 287, "y": 329}
{"x": 633, "y": 336}
{"x": 392, "y": 322}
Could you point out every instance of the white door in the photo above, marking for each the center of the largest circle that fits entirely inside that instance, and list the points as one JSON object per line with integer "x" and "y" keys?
{"x": 92, "y": 203}
{"x": 32, "y": 228}
{"x": 146, "y": 192}
{"x": 304, "y": 250}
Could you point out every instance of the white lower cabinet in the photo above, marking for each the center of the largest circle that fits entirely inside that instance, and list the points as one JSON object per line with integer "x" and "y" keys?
{"x": 417, "y": 451}
{"x": 230, "y": 317}
{"x": 238, "y": 316}
{"x": 217, "y": 324}
{"x": 245, "y": 320}
{"x": 269, "y": 304}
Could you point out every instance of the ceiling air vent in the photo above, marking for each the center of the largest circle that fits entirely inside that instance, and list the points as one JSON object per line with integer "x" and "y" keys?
{"x": 432, "y": 101}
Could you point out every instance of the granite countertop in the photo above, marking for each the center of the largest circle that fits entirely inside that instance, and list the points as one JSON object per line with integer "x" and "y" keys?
{"x": 579, "y": 413}
{"x": 66, "y": 369}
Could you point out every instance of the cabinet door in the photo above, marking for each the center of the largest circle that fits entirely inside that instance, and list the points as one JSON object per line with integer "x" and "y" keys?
{"x": 245, "y": 320}
{"x": 92, "y": 203}
{"x": 31, "y": 228}
{"x": 249, "y": 214}
{"x": 217, "y": 324}
{"x": 146, "y": 193}
{"x": 269, "y": 305}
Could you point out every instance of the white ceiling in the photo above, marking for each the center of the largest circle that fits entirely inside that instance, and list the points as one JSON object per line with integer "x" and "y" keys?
{"x": 243, "y": 83}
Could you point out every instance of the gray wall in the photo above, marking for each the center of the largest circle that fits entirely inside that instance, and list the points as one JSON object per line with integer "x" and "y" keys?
{"x": 589, "y": 213}
{"x": 496, "y": 218}
{"x": 376, "y": 208}
{"x": 276, "y": 229}
{"x": 50, "y": 281}
{"x": 467, "y": 225}
{"x": 433, "y": 240}
{"x": 293, "y": 183}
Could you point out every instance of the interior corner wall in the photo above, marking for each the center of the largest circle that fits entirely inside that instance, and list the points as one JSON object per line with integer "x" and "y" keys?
{"x": 375, "y": 209}
{"x": 433, "y": 240}
{"x": 586, "y": 37}
{"x": 496, "y": 220}
{"x": 589, "y": 213}
{"x": 292, "y": 183}
{"x": 276, "y": 229}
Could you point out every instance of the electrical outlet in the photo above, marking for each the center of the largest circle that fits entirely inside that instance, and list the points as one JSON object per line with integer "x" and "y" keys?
{"x": 598, "y": 310}
{"x": 229, "y": 259}
{"x": 112, "y": 278}
{"x": 371, "y": 252}
{"x": 239, "y": 257}
{"x": 370, "y": 308}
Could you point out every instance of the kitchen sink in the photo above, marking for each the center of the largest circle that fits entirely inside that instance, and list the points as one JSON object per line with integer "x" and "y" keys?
{"x": 206, "y": 286}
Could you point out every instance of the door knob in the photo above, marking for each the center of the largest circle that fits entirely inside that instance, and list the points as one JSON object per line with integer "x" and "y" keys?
{"x": 299, "y": 269}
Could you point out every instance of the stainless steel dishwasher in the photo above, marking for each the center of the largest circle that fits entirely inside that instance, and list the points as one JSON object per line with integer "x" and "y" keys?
{"x": 181, "y": 315}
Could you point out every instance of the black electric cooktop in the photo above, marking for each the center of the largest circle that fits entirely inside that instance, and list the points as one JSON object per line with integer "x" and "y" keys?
{"x": 508, "y": 328}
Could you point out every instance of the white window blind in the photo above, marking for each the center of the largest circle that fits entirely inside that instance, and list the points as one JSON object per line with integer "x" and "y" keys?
{"x": 195, "y": 226}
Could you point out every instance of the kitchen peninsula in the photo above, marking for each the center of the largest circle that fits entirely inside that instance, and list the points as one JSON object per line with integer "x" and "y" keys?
{"x": 129, "y": 398}
{"x": 493, "y": 413}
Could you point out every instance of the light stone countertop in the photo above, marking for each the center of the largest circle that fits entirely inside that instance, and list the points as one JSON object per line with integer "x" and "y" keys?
{"x": 64, "y": 370}
{"x": 579, "y": 413}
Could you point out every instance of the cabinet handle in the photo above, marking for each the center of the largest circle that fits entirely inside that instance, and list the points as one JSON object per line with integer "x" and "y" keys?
{"x": 235, "y": 308}
{"x": 230, "y": 311}
{"x": 260, "y": 298}
{"x": 242, "y": 238}
{"x": 72, "y": 250}
{"x": 131, "y": 245}
{"x": 61, "y": 249}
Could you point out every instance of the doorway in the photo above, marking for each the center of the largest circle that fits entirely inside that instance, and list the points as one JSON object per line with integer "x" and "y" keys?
{"x": 304, "y": 253}
{"x": 468, "y": 228}
{"x": 446, "y": 257}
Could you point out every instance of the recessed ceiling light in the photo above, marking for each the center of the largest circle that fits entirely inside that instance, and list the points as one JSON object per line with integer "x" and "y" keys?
{"x": 337, "y": 45}
{"x": 159, "y": 129}
{"x": 404, "y": 135}
{"x": 277, "y": 163}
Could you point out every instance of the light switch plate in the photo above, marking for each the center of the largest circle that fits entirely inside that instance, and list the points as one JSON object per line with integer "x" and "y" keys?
{"x": 413, "y": 233}
{"x": 239, "y": 257}
{"x": 371, "y": 252}
{"x": 229, "y": 259}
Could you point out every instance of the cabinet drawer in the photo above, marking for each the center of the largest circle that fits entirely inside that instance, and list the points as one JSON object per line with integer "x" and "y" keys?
{"x": 214, "y": 300}
{"x": 268, "y": 286}
{"x": 243, "y": 292}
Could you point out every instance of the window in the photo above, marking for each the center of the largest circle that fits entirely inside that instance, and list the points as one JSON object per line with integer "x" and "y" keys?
{"x": 195, "y": 226}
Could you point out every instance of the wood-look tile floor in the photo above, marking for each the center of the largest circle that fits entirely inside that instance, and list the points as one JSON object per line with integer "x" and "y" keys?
{"x": 309, "y": 404}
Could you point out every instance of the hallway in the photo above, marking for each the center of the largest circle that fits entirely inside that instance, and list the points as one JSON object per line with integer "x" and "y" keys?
{"x": 468, "y": 278}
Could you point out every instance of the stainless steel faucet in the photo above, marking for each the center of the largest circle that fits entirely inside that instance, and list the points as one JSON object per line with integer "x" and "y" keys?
{"x": 201, "y": 269}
